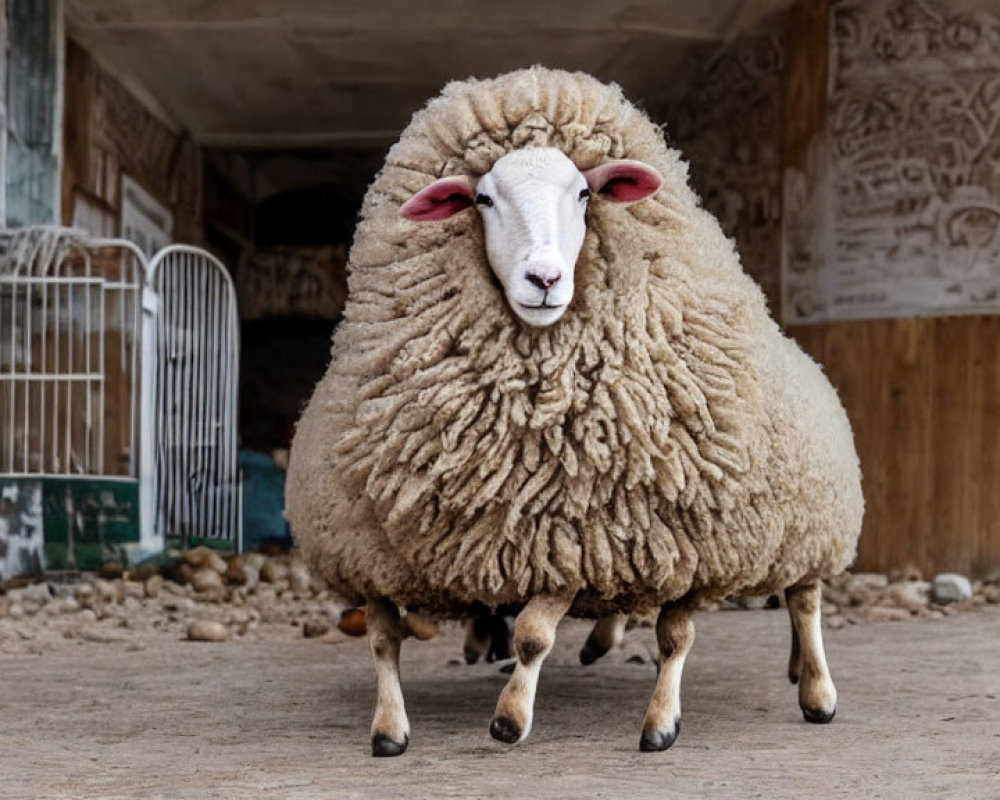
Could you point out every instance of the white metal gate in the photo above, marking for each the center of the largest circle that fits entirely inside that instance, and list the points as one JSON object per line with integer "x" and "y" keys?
{"x": 196, "y": 340}
{"x": 117, "y": 369}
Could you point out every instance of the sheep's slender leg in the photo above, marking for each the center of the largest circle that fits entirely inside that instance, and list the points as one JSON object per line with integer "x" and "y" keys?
{"x": 534, "y": 635}
{"x": 390, "y": 728}
{"x": 486, "y": 635}
{"x": 817, "y": 694}
{"x": 675, "y": 635}
{"x": 795, "y": 657}
{"x": 606, "y": 634}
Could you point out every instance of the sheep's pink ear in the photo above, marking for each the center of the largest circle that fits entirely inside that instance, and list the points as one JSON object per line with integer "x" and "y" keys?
{"x": 440, "y": 200}
{"x": 624, "y": 181}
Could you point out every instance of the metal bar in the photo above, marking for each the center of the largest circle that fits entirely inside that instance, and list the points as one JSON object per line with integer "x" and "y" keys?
{"x": 45, "y": 369}
{"x": 26, "y": 385}
{"x": 13, "y": 386}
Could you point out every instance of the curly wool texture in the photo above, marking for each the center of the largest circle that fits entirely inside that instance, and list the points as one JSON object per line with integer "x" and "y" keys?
{"x": 662, "y": 440}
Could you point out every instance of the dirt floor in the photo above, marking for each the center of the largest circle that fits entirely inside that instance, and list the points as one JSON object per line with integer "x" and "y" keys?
{"x": 149, "y": 716}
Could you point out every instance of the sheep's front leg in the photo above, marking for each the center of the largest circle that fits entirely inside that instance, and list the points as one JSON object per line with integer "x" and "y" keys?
{"x": 674, "y": 635}
{"x": 390, "y": 728}
{"x": 606, "y": 634}
{"x": 817, "y": 694}
{"x": 534, "y": 635}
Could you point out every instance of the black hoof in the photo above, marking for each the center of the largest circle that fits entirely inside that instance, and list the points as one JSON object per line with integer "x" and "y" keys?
{"x": 508, "y": 668}
{"x": 793, "y": 678}
{"x": 818, "y": 716}
{"x": 589, "y": 656}
{"x": 383, "y": 745}
{"x": 471, "y": 655}
{"x": 504, "y": 729}
{"x": 655, "y": 742}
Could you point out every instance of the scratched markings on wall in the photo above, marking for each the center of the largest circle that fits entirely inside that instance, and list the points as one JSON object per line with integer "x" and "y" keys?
{"x": 728, "y": 124}
{"x": 914, "y": 166}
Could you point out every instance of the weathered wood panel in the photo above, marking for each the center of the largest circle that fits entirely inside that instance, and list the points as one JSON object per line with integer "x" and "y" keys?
{"x": 924, "y": 398}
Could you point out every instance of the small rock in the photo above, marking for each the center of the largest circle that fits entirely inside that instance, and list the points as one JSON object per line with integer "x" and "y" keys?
{"x": 207, "y": 579}
{"x": 153, "y": 585}
{"x": 251, "y": 576}
{"x": 87, "y": 616}
{"x": 420, "y": 627}
{"x": 133, "y": 589}
{"x": 753, "y": 602}
{"x": 829, "y": 609}
{"x": 201, "y": 557}
{"x": 300, "y": 580}
{"x": 911, "y": 595}
{"x": 870, "y": 580}
{"x": 314, "y": 629}
{"x": 15, "y": 611}
{"x": 132, "y": 604}
{"x": 84, "y": 590}
{"x": 38, "y": 593}
{"x": 273, "y": 571}
{"x": 145, "y": 570}
{"x": 950, "y": 587}
{"x": 835, "y": 621}
{"x": 353, "y": 622}
{"x": 106, "y": 590}
{"x": 179, "y": 604}
{"x": 69, "y": 605}
{"x": 111, "y": 570}
{"x": 204, "y": 630}
{"x": 991, "y": 593}
{"x": 234, "y": 570}
{"x": 239, "y": 616}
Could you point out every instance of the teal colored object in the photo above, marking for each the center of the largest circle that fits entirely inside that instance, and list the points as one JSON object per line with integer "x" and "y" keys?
{"x": 263, "y": 501}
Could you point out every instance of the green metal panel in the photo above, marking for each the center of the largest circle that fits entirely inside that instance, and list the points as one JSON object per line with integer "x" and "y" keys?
{"x": 85, "y": 520}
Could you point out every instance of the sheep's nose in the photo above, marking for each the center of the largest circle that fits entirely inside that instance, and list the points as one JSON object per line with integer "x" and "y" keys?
{"x": 542, "y": 282}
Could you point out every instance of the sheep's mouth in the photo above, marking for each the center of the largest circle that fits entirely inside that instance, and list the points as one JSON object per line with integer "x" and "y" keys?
{"x": 541, "y": 305}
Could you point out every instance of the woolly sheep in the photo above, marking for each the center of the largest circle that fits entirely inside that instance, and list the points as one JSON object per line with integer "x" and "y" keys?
{"x": 659, "y": 445}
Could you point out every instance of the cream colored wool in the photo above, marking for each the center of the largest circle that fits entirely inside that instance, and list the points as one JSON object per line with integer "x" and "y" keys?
{"x": 662, "y": 440}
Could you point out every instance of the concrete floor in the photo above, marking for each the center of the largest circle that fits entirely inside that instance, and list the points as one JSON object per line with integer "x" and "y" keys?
{"x": 285, "y": 717}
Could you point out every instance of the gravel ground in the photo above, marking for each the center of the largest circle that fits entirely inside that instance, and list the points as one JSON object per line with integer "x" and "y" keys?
{"x": 133, "y": 709}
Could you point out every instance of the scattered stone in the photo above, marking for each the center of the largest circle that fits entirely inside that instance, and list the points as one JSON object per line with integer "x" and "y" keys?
{"x": 69, "y": 605}
{"x": 87, "y": 616}
{"x": 950, "y": 587}
{"x": 135, "y": 590}
{"x": 353, "y": 622}
{"x": 753, "y": 603}
{"x": 911, "y": 595}
{"x": 201, "y": 557}
{"x": 153, "y": 585}
{"x": 106, "y": 590}
{"x": 111, "y": 570}
{"x": 299, "y": 579}
{"x": 179, "y": 604}
{"x": 882, "y": 613}
{"x": 829, "y": 609}
{"x": 15, "y": 611}
{"x": 251, "y": 576}
{"x": 37, "y": 593}
{"x": 207, "y": 579}
{"x": 273, "y": 571}
{"x": 204, "y": 630}
{"x": 835, "y": 621}
{"x": 314, "y": 629}
{"x": 871, "y": 580}
{"x": 234, "y": 571}
{"x": 420, "y": 627}
{"x": 145, "y": 570}
{"x": 84, "y": 590}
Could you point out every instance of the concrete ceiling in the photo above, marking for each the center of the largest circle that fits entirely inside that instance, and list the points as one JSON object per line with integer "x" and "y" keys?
{"x": 330, "y": 73}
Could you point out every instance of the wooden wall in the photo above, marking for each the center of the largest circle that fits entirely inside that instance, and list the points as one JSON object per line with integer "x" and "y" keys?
{"x": 923, "y": 396}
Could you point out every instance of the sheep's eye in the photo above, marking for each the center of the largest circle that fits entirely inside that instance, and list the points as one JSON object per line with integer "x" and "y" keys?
{"x": 584, "y": 194}
{"x": 484, "y": 200}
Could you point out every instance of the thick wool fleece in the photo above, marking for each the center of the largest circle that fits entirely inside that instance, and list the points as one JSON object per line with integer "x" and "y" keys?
{"x": 662, "y": 440}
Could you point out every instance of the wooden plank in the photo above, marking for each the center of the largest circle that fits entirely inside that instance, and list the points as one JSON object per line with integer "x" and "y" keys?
{"x": 923, "y": 396}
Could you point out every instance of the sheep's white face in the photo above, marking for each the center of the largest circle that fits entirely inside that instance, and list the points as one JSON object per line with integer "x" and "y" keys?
{"x": 533, "y": 205}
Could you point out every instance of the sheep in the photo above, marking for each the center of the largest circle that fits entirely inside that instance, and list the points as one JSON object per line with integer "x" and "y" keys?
{"x": 554, "y": 388}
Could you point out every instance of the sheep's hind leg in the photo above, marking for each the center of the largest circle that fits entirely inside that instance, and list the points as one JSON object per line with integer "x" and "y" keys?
{"x": 606, "y": 634}
{"x": 534, "y": 635}
{"x": 675, "y": 635}
{"x": 817, "y": 694}
{"x": 390, "y": 728}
